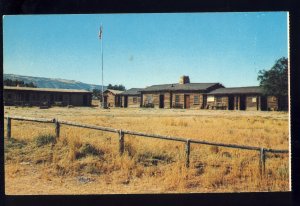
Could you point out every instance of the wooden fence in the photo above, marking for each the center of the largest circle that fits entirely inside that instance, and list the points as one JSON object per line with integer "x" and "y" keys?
{"x": 121, "y": 134}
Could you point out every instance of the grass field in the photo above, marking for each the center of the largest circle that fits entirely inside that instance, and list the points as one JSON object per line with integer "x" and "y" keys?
{"x": 84, "y": 161}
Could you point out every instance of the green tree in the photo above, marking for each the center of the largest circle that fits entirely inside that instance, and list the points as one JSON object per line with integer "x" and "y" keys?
{"x": 116, "y": 87}
{"x": 109, "y": 86}
{"x": 97, "y": 94}
{"x": 275, "y": 81}
{"x": 9, "y": 82}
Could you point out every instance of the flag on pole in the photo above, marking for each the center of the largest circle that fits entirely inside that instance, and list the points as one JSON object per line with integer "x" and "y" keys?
{"x": 100, "y": 32}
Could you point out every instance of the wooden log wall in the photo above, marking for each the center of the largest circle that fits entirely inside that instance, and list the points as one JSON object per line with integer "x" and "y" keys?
{"x": 110, "y": 99}
{"x": 36, "y": 98}
{"x": 179, "y": 103}
{"x": 193, "y": 105}
{"x": 155, "y": 98}
{"x": 131, "y": 102}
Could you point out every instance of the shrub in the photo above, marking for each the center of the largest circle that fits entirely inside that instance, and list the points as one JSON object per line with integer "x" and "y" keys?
{"x": 45, "y": 139}
{"x": 88, "y": 149}
{"x": 149, "y": 158}
{"x": 14, "y": 143}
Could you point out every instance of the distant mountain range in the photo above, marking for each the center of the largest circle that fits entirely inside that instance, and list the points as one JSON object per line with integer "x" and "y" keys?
{"x": 43, "y": 82}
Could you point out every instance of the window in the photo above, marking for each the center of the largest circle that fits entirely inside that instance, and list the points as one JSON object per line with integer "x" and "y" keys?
{"x": 253, "y": 99}
{"x": 149, "y": 99}
{"x": 134, "y": 99}
{"x": 176, "y": 99}
{"x": 196, "y": 99}
{"x": 210, "y": 99}
{"x": 8, "y": 96}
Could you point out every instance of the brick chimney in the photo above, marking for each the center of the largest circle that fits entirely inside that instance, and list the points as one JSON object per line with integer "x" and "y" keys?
{"x": 184, "y": 80}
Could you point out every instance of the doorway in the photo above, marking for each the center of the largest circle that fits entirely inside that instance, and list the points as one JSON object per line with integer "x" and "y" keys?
{"x": 230, "y": 102}
{"x": 85, "y": 100}
{"x": 105, "y": 101}
{"x": 161, "y": 101}
{"x": 51, "y": 99}
{"x": 242, "y": 102}
{"x": 263, "y": 103}
{"x": 117, "y": 101}
{"x": 125, "y": 101}
{"x": 204, "y": 103}
{"x": 186, "y": 101}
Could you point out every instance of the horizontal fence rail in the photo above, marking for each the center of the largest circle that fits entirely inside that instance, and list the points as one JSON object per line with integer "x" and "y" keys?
{"x": 31, "y": 119}
{"x": 107, "y": 129}
{"x": 123, "y": 132}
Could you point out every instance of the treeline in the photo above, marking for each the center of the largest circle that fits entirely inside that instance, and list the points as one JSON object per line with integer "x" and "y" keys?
{"x": 9, "y": 82}
{"x": 116, "y": 87}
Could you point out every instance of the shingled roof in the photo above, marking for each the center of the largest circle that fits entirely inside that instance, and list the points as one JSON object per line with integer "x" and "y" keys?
{"x": 132, "y": 91}
{"x": 113, "y": 91}
{"x": 238, "y": 90}
{"x": 181, "y": 87}
{"x": 46, "y": 89}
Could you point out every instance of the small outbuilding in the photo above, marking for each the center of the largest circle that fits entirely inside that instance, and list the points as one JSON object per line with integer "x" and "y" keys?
{"x": 112, "y": 98}
{"x": 131, "y": 97}
{"x": 27, "y": 96}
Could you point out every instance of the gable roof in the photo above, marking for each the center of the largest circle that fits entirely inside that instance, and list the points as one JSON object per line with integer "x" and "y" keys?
{"x": 113, "y": 91}
{"x": 238, "y": 90}
{"x": 132, "y": 91}
{"x": 181, "y": 87}
{"x": 46, "y": 89}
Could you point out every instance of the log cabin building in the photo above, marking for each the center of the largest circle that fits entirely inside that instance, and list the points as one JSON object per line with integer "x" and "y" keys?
{"x": 131, "y": 98}
{"x": 241, "y": 98}
{"x": 27, "y": 96}
{"x": 184, "y": 95}
{"x": 178, "y": 95}
{"x": 112, "y": 98}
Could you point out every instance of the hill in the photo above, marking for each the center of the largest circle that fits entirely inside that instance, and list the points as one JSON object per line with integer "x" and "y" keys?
{"x": 43, "y": 82}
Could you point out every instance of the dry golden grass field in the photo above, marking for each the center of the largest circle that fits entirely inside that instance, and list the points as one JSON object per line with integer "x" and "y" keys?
{"x": 84, "y": 161}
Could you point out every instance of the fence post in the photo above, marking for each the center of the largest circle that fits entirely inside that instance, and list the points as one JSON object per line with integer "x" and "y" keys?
{"x": 121, "y": 142}
{"x": 8, "y": 135}
{"x": 187, "y": 153}
{"x": 262, "y": 161}
{"x": 57, "y": 128}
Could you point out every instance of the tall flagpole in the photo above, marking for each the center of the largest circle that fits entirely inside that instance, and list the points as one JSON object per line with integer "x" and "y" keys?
{"x": 101, "y": 41}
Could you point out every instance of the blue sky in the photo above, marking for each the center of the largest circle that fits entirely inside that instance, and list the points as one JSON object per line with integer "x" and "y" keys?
{"x": 145, "y": 49}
